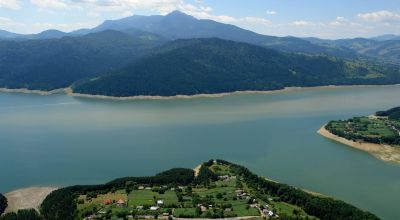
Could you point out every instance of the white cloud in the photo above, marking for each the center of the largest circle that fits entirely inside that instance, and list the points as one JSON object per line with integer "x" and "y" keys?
{"x": 51, "y": 4}
{"x": 271, "y": 12}
{"x": 380, "y": 16}
{"x": 11, "y": 4}
{"x": 62, "y": 26}
{"x": 256, "y": 20}
{"x": 339, "y": 21}
{"x": 127, "y": 13}
{"x": 9, "y": 24}
{"x": 93, "y": 14}
{"x": 302, "y": 23}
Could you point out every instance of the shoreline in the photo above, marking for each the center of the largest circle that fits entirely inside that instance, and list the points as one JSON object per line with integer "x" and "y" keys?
{"x": 68, "y": 91}
{"x": 29, "y": 91}
{"x": 27, "y": 198}
{"x": 379, "y": 151}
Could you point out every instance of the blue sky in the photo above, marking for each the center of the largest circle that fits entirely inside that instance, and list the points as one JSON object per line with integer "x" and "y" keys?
{"x": 304, "y": 18}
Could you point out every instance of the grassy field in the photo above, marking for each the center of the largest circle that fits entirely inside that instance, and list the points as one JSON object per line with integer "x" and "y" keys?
{"x": 366, "y": 127}
{"x": 147, "y": 197}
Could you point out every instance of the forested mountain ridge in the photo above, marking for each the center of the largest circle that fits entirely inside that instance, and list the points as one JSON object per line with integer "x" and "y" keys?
{"x": 57, "y": 63}
{"x": 208, "y": 66}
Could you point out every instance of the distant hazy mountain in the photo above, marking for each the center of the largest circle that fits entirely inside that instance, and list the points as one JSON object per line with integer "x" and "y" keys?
{"x": 384, "y": 51}
{"x": 8, "y": 35}
{"x": 48, "y": 34}
{"x": 189, "y": 67}
{"x": 386, "y": 37}
{"x": 56, "y": 63}
{"x": 178, "y": 25}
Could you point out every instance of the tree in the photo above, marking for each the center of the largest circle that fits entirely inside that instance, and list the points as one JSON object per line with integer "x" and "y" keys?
{"x": 3, "y": 203}
{"x": 25, "y": 214}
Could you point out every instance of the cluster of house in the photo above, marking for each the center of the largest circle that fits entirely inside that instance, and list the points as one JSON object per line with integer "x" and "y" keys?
{"x": 241, "y": 194}
{"x": 120, "y": 202}
{"x": 268, "y": 212}
{"x": 204, "y": 208}
{"x": 226, "y": 178}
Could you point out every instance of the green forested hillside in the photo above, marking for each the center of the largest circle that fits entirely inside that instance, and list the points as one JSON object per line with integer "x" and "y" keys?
{"x": 57, "y": 63}
{"x": 189, "y": 67}
{"x": 392, "y": 114}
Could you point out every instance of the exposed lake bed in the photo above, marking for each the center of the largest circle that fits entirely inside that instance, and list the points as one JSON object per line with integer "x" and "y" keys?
{"x": 65, "y": 140}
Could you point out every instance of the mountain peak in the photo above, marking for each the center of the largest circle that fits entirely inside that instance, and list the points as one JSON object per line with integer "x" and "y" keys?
{"x": 177, "y": 13}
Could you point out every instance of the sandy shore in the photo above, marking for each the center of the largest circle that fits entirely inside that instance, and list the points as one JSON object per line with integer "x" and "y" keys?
{"x": 28, "y": 91}
{"x": 197, "y": 170}
{"x": 380, "y": 151}
{"x": 27, "y": 198}
{"x": 69, "y": 92}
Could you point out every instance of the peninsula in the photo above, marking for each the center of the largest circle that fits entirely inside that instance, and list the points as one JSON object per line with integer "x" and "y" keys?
{"x": 377, "y": 134}
{"x": 215, "y": 189}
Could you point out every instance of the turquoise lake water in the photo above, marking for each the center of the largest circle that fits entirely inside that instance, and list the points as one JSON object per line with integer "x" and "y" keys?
{"x": 61, "y": 140}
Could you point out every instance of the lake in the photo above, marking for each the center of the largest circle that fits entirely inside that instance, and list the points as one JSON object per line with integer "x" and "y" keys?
{"x": 60, "y": 140}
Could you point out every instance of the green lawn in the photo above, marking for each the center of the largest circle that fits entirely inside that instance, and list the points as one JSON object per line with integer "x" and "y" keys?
{"x": 146, "y": 197}
{"x": 184, "y": 212}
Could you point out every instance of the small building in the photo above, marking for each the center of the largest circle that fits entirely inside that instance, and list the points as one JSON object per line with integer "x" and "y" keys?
{"x": 228, "y": 210}
{"x": 139, "y": 207}
{"x": 107, "y": 202}
{"x": 121, "y": 202}
{"x": 270, "y": 214}
{"x": 203, "y": 208}
{"x": 141, "y": 187}
{"x": 154, "y": 208}
{"x": 160, "y": 202}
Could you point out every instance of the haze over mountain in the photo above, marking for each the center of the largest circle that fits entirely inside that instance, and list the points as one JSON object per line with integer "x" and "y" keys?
{"x": 378, "y": 50}
{"x": 178, "y": 25}
{"x": 386, "y": 37}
